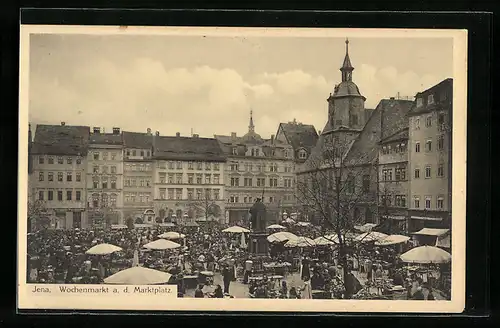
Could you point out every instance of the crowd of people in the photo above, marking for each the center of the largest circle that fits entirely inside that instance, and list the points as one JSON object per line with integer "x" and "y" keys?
{"x": 59, "y": 256}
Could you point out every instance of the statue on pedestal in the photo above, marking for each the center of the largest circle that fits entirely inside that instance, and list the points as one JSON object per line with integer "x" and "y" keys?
{"x": 258, "y": 216}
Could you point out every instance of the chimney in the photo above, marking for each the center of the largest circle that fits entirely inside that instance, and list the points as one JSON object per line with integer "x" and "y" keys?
{"x": 63, "y": 123}
{"x": 272, "y": 139}
{"x": 157, "y": 133}
{"x": 148, "y": 131}
{"x": 196, "y": 135}
{"x": 116, "y": 130}
{"x": 97, "y": 130}
{"x": 392, "y": 98}
{"x": 233, "y": 135}
{"x": 177, "y": 134}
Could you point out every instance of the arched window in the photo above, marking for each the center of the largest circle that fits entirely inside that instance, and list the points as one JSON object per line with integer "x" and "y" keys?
{"x": 104, "y": 200}
{"x": 302, "y": 154}
{"x": 95, "y": 200}
{"x": 112, "y": 201}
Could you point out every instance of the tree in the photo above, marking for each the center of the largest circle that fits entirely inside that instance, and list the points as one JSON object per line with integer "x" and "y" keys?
{"x": 204, "y": 206}
{"x": 338, "y": 182}
{"x": 37, "y": 217}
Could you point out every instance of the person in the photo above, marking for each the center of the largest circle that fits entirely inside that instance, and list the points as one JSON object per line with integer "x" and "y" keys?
{"x": 306, "y": 273}
{"x": 418, "y": 295}
{"x": 293, "y": 293}
{"x": 306, "y": 289}
{"x": 218, "y": 292}
{"x": 284, "y": 289}
{"x": 198, "y": 293}
{"x": 227, "y": 275}
{"x": 430, "y": 295}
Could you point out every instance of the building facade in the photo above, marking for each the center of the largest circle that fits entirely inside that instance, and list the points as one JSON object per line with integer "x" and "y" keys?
{"x": 105, "y": 178}
{"x": 188, "y": 179}
{"x": 58, "y": 179}
{"x": 430, "y": 126}
{"x": 258, "y": 168}
{"x": 138, "y": 177}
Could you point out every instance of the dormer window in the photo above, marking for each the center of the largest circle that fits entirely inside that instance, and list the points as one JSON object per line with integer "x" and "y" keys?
{"x": 430, "y": 99}
{"x": 302, "y": 154}
{"x": 419, "y": 102}
{"x": 235, "y": 151}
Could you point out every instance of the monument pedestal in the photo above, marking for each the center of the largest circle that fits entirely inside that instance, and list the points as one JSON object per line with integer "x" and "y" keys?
{"x": 258, "y": 244}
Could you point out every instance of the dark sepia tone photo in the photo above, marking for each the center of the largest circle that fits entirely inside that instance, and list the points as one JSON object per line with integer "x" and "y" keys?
{"x": 249, "y": 167}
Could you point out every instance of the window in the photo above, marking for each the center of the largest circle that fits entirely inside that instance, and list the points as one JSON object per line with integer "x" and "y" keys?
{"x": 440, "y": 172}
{"x": 50, "y": 195}
{"x": 41, "y": 159}
{"x": 416, "y": 202}
{"x": 190, "y": 165}
{"x": 40, "y": 195}
{"x": 113, "y": 169}
{"x": 350, "y": 183}
{"x": 417, "y": 174}
{"x": 96, "y": 156}
{"x": 441, "y": 119}
{"x": 104, "y": 200}
{"x": 288, "y": 169}
{"x": 398, "y": 174}
{"x": 287, "y": 153}
{"x": 162, "y": 176}
{"x": 95, "y": 169}
{"x": 428, "y": 146}
{"x": 366, "y": 183}
{"x": 148, "y": 183}
{"x": 199, "y": 166}
{"x": 50, "y": 176}
{"x": 233, "y": 167}
{"x": 171, "y": 178}
{"x": 142, "y": 153}
{"x": 113, "y": 156}
{"x": 216, "y": 179}
{"x": 430, "y": 99}
{"x": 78, "y": 195}
{"x": 417, "y": 147}
{"x": 428, "y": 121}
{"x": 78, "y": 161}
{"x": 428, "y": 171}
{"x": 261, "y": 182}
{"x": 112, "y": 200}
{"x": 208, "y": 178}
{"x": 199, "y": 179}
{"x": 419, "y": 102}
{"x": 59, "y": 176}
{"x": 288, "y": 183}
{"x": 440, "y": 202}
{"x": 51, "y": 160}
{"x": 417, "y": 123}
{"x": 179, "y": 165}
{"x": 441, "y": 142}
{"x": 178, "y": 178}
{"x": 128, "y": 153}
{"x": 170, "y": 165}
{"x": 235, "y": 151}
{"x": 162, "y": 193}
{"x": 104, "y": 183}
{"x": 403, "y": 201}
{"x": 69, "y": 176}
{"x": 273, "y": 182}
{"x": 235, "y": 182}
{"x": 113, "y": 183}
{"x": 69, "y": 160}
{"x": 170, "y": 193}
{"x": 402, "y": 172}
{"x": 95, "y": 182}
{"x": 190, "y": 194}
{"x": 208, "y": 194}
{"x": 134, "y": 152}
{"x": 302, "y": 154}
{"x": 69, "y": 194}
{"x": 105, "y": 156}
{"x": 208, "y": 166}
{"x": 216, "y": 194}
{"x": 247, "y": 182}
{"x": 105, "y": 169}
{"x": 40, "y": 176}
{"x": 60, "y": 160}
{"x": 198, "y": 193}
{"x": 216, "y": 167}
{"x": 59, "y": 195}
{"x": 178, "y": 193}
{"x": 190, "y": 178}
{"x": 398, "y": 200}
{"x": 428, "y": 200}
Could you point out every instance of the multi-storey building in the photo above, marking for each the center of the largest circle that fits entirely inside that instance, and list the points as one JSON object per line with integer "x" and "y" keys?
{"x": 188, "y": 179}
{"x": 105, "y": 177}
{"x": 59, "y": 159}
{"x": 302, "y": 137}
{"x": 258, "y": 168}
{"x": 138, "y": 177}
{"x": 430, "y": 122}
{"x": 393, "y": 164}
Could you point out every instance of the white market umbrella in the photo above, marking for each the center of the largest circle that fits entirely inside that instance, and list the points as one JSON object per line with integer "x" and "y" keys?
{"x": 322, "y": 241}
{"x": 370, "y": 236}
{"x": 235, "y": 229}
{"x": 172, "y": 235}
{"x": 346, "y": 236}
{"x": 289, "y": 220}
{"x": 276, "y": 226}
{"x": 425, "y": 255}
{"x": 300, "y": 242}
{"x": 281, "y": 236}
{"x": 103, "y": 249}
{"x": 392, "y": 240}
{"x": 303, "y": 224}
{"x": 162, "y": 244}
{"x": 138, "y": 276}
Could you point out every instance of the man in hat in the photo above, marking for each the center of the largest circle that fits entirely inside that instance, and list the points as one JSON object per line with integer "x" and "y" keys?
{"x": 227, "y": 276}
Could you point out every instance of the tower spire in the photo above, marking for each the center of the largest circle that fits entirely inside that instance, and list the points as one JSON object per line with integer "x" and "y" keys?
{"x": 251, "y": 127}
{"x": 346, "y": 68}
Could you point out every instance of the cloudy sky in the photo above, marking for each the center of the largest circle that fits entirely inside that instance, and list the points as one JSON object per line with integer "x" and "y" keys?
{"x": 209, "y": 84}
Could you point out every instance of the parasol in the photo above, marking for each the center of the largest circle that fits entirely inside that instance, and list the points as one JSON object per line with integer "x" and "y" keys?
{"x": 103, "y": 249}
{"x": 300, "y": 242}
{"x": 281, "y": 236}
{"x": 138, "y": 276}
{"x": 323, "y": 241}
{"x": 392, "y": 240}
{"x": 172, "y": 235}
{"x": 346, "y": 236}
{"x": 235, "y": 229}
{"x": 276, "y": 226}
{"x": 370, "y": 236}
{"x": 162, "y": 244}
{"x": 426, "y": 254}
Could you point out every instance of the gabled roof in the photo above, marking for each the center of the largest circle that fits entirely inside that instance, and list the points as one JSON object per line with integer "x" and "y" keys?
{"x": 105, "y": 139}
{"x": 61, "y": 140}
{"x": 398, "y": 136}
{"x": 364, "y": 149}
{"x": 187, "y": 149}
{"x": 300, "y": 135}
{"x": 137, "y": 139}
{"x": 394, "y": 113}
{"x": 446, "y": 87}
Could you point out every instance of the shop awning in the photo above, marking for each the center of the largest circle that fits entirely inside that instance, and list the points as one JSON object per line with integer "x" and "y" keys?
{"x": 432, "y": 232}
{"x": 426, "y": 218}
{"x": 444, "y": 241}
{"x": 365, "y": 227}
{"x": 394, "y": 217}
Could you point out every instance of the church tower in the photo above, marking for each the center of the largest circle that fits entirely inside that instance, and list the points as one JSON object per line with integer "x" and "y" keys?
{"x": 346, "y": 106}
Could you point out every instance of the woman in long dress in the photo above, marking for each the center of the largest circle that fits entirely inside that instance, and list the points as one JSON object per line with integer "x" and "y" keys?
{"x": 306, "y": 290}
